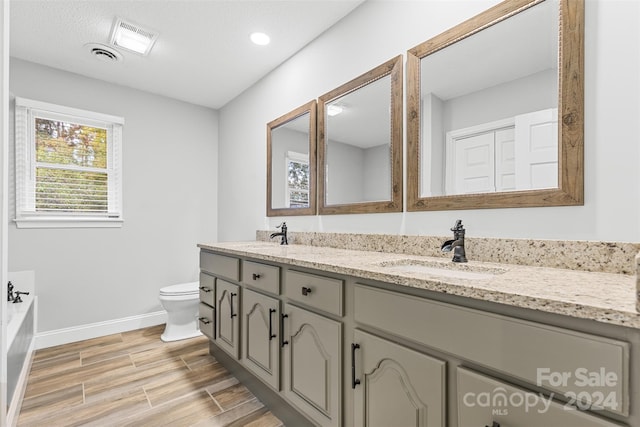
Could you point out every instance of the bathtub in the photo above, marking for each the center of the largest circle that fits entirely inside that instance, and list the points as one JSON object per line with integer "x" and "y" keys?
{"x": 20, "y": 342}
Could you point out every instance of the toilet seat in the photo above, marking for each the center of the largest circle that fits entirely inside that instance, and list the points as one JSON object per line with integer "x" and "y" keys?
{"x": 182, "y": 289}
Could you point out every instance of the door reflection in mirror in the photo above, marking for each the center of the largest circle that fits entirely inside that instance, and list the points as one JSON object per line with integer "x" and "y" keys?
{"x": 480, "y": 96}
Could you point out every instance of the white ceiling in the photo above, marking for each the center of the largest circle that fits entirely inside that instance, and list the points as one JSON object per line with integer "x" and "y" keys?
{"x": 203, "y": 54}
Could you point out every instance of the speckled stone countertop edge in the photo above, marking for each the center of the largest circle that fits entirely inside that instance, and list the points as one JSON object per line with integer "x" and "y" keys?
{"x": 560, "y": 291}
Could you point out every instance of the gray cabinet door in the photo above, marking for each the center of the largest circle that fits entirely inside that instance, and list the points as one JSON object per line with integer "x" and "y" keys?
{"x": 483, "y": 400}
{"x": 398, "y": 386}
{"x": 260, "y": 332}
{"x": 227, "y": 317}
{"x": 312, "y": 365}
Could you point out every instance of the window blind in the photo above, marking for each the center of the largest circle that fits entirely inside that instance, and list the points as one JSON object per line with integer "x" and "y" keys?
{"x": 68, "y": 163}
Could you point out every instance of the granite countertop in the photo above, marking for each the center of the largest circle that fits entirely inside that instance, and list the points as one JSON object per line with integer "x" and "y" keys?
{"x": 603, "y": 297}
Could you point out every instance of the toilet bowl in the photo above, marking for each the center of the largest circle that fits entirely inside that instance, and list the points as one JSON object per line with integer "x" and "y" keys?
{"x": 181, "y": 303}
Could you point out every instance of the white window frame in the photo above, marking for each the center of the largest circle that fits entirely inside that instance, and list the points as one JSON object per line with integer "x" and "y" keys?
{"x": 26, "y": 216}
{"x": 292, "y": 156}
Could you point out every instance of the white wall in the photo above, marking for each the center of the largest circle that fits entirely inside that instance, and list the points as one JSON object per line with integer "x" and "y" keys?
{"x": 379, "y": 30}
{"x": 4, "y": 144}
{"x": 170, "y": 179}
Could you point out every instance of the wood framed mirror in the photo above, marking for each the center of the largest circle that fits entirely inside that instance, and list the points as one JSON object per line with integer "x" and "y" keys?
{"x": 495, "y": 110}
{"x": 360, "y": 143}
{"x": 291, "y": 162}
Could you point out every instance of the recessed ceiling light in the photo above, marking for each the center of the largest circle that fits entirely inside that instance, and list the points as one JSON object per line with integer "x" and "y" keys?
{"x": 132, "y": 37}
{"x": 260, "y": 39}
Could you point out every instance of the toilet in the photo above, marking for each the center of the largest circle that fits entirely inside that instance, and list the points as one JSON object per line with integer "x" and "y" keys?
{"x": 181, "y": 303}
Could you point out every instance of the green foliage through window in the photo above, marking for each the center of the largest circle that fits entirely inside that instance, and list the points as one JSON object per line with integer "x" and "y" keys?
{"x": 71, "y": 163}
{"x": 298, "y": 184}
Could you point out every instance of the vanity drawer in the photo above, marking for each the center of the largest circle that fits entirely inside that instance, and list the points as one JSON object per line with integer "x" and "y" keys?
{"x": 261, "y": 276}
{"x": 532, "y": 352}
{"x": 206, "y": 319}
{"x": 220, "y": 265}
{"x": 207, "y": 289}
{"x": 482, "y": 400}
{"x": 320, "y": 292}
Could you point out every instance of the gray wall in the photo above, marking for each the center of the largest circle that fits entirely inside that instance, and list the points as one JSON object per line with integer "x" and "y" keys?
{"x": 377, "y": 172}
{"x": 503, "y": 101}
{"x": 282, "y": 141}
{"x": 170, "y": 157}
{"x": 379, "y": 30}
{"x": 345, "y": 178}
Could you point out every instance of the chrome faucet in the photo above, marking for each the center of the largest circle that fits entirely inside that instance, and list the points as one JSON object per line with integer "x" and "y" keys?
{"x": 282, "y": 233}
{"x": 457, "y": 244}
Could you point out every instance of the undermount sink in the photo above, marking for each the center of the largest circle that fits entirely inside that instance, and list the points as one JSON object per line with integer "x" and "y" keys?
{"x": 442, "y": 269}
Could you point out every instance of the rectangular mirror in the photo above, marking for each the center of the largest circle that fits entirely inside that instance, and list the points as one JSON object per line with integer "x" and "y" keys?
{"x": 495, "y": 110}
{"x": 360, "y": 143}
{"x": 291, "y": 162}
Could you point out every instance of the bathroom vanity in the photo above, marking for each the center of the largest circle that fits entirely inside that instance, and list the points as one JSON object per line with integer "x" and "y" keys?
{"x": 350, "y": 337}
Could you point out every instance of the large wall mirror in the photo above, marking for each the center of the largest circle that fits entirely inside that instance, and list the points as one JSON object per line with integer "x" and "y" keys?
{"x": 291, "y": 162}
{"x": 495, "y": 110}
{"x": 360, "y": 143}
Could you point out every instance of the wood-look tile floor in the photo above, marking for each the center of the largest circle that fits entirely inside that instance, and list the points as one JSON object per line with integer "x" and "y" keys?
{"x": 135, "y": 379}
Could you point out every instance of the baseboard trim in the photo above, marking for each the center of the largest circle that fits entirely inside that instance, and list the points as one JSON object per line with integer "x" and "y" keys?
{"x": 99, "y": 329}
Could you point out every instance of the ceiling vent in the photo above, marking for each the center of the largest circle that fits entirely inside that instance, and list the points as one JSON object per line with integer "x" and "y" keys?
{"x": 132, "y": 37}
{"x": 103, "y": 52}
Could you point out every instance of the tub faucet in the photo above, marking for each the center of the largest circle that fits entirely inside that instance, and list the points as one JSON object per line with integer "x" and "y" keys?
{"x": 283, "y": 233}
{"x": 17, "y": 297}
{"x": 457, "y": 244}
{"x": 10, "y": 296}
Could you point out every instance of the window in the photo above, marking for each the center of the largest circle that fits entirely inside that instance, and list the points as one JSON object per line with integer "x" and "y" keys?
{"x": 297, "y": 191}
{"x": 68, "y": 167}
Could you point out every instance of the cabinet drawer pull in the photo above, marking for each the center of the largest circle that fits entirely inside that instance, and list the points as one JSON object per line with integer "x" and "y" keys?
{"x": 306, "y": 291}
{"x": 354, "y": 380}
{"x": 205, "y": 289}
{"x": 282, "y": 340}
{"x": 233, "y": 294}
{"x": 255, "y": 276}
{"x": 204, "y": 320}
{"x": 271, "y": 334}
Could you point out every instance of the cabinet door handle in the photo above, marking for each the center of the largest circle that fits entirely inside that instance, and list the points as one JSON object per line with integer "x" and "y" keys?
{"x": 306, "y": 291}
{"x": 204, "y": 320}
{"x": 233, "y": 294}
{"x": 255, "y": 276}
{"x": 271, "y": 334}
{"x": 282, "y": 340}
{"x": 205, "y": 289}
{"x": 354, "y": 380}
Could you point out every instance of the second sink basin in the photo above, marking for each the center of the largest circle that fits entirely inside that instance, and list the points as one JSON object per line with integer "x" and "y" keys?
{"x": 442, "y": 269}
